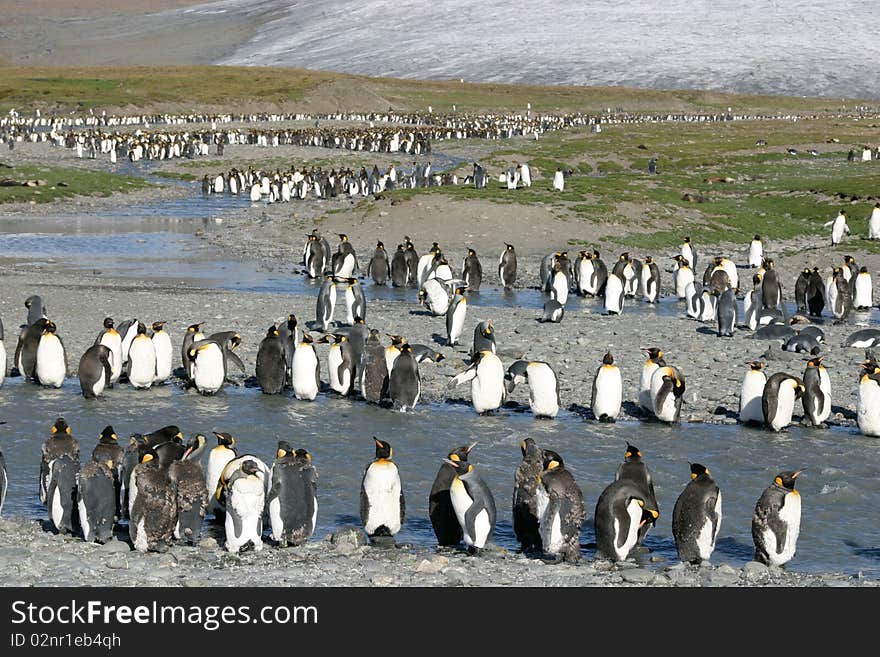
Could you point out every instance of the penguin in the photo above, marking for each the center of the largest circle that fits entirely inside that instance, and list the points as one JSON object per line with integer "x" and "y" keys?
{"x": 815, "y": 294}
{"x": 290, "y": 335}
{"x": 314, "y": 257}
{"x": 777, "y": 401}
{"x": 802, "y": 343}
{"x": 634, "y": 469}
{"x": 164, "y": 351}
{"x": 650, "y": 280}
{"x": 412, "y": 262}
{"x": 607, "y": 390}
{"x": 218, "y": 458}
{"x": 472, "y": 271}
{"x": 152, "y": 510}
{"x": 292, "y": 501}
{"x": 392, "y": 351}
{"x": 399, "y": 272}
{"x": 653, "y": 360}
{"x": 379, "y": 268}
{"x": 141, "y": 360}
{"x": 326, "y": 303}
{"x": 95, "y": 371}
{"x": 345, "y": 263}
{"x": 191, "y": 494}
{"x": 776, "y": 521}
{"x": 839, "y": 227}
{"x": 752, "y": 303}
{"x": 841, "y": 297}
{"x": 4, "y": 482}
{"x": 614, "y": 295}
{"x": 689, "y": 253}
{"x": 621, "y": 511}
{"x": 558, "y": 284}
{"x": 373, "y": 370}
{"x": 558, "y": 180}
{"x": 455, "y": 316}
{"x": 271, "y": 369}
{"x": 600, "y": 274}
{"x": 36, "y": 308}
{"x": 751, "y": 393}
{"x": 422, "y": 352}
{"x": 111, "y": 338}
{"x": 167, "y": 442}
{"x": 305, "y": 370}
{"x": 340, "y": 363}
{"x": 553, "y": 312}
{"x": 355, "y": 301}
{"x": 61, "y": 478}
{"x": 245, "y": 501}
{"x": 683, "y": 275}
{"x": 440, "y": 509}
{"x": 51, "y": 358}
{"x": 667, "y": 393}
{"x": 800, "y": 290}
{"x": 109, "y": 451}
{"x": 696, "y": 517}
{"x": 434, "y": 296}
{"x": 850, "y": 269}
{"x": 127, "y": 331}
{"x": 868, "y": 407}
{"x": 2, "y": 355}
{"x": 816, "y": 397}
{"x": 209, "y": 361}
{"x": 863, "y": 291}
{"x": 473, "y": 503}
{"x": 130, "y": 459}
{"x": 383, "y": 506}
{"x": 193, "y": 333}
{"x": 59, "y": 443}
{"x": 725, "y": 311}
{"x": 874, "y": 223}
{"x": 863, "y": 339}
{"x": 756, "y": 252}
{"x": 507, "y": 267}
{"x": 526, "y": 522}
{"x": 486, "y": 374}
{"x": 771, "y": 287}
{"x": 484, "y": 337}
{"x": 404, "y": 381}
{"x": 543, "y": 383}
{"x": 96, "y": 501}
{"x": 560, "y": 506}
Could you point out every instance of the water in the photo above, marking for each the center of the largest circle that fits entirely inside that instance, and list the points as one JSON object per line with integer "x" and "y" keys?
{"x": 838, "y": 531}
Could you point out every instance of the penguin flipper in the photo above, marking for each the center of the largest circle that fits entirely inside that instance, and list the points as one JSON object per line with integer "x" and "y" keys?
{"x": 231, "y": 355}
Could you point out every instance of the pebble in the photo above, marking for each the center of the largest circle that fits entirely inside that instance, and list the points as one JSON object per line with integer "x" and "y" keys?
{"x": 637, "y": 576}
{"x": 114, "y": 546}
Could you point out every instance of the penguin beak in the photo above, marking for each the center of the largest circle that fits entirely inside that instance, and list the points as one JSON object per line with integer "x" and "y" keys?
{"x": 798, "y": 473}
{"x": 471, "y": 446}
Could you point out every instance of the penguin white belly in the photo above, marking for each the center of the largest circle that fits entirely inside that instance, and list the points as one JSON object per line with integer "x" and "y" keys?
{"x": 487, "y": 387}
{"x": 645, "y": 386}
{"x": 863, "y": 297}
{"x": 305, "y": 384}
{"x": 217, "y": 461}
{"x": 164, "y": 354}
{"x": 57, "y": 508}
{"x": 756, "y": 254}
{"x": 750, "y": 408}
{"x": 113, "y": 341}
{"x": 208, "y": 371}
{"x": 560, "y": 288}
{"x": 664, "y": 409}
{"x": 543, "y": 399}
{"x": 824, "y": 412}
{"x": 51, "y": 368}
{"x": 790, "y": 515}
{"x": 346, "y": 267}
{"x": 869, "y": 408}
{"x": 482, "y": 527}
{"x": 2, "y": 362}
{"x": 874, "y": 225}
{"x": 585, "y": 277}
{"x": 334, "y": 360}
{"x": 458, "y": 316}
{"x": 609, "y": 392}
{"x": 707, "y": 313}
{"x": 692, "y": 301}
{"x": 349, "y": 306}
{"x": 275, "y": 519}
{"x": 391, "y": 355}
{"x": 708, "y": 534}
{"x": 730, "y": 268}
{"x": 683, "y": 276}
{"x": 438, "y": 299}
{"x": 246, "y": 505}
{"x": 623, "y": 544}
{"x": 84, "y": 520}
{"x": 836, "y": 232}
{"x": 551, "y": 533}
{"x": 614, "y": 294}
{"x": 750, "y": 311}
{"x": 423, "y": 266}
{"x": 140, "y": 541}
{"x": 99, "y": 385}
{"x": 784, "y": 407}
{"x": 382, "y": 487}
{"x": 142, "y": 363}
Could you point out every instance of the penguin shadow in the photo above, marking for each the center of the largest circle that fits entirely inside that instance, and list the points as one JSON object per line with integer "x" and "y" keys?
{"x": 723, "y": 411}
{"x": 734, "y": 549}
{"x": 421, "y": 313}
{"x": 706, "y": 330}
{"x": 863, "y": 551}
{"x": 847, "y": 414}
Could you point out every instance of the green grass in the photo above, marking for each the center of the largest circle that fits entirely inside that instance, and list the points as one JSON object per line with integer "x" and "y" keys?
{"x": 80, "y": 182}
{"x": 175, "y": 175}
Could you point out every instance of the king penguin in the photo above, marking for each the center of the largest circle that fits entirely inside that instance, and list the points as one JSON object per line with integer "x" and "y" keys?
{"x": 652, "y": 362}
{"x": 607, "y": 390}
{"x": 667, "y": 393}
{"x": 59, "y": 443}
{"x": 725, "y": 311}
{"x": 379, "y": 269}
{"x": 696, "y": 517}
{"x": 472, "y": 271}
{"x": 650, "y": 280}
{"x": 777, "y": 402}
{"x": 756, "y": 252}
{"x": 271, "y": 369}
{"x": 544, "y": 400}
{"x": 245, "y": 503}
{"x": 164, "y": 351}
{"x": 305, "y": 370}
{"x": 193, "y": 333}
{"x": 525, "y": 496}
{"x": 868, "y": 407}
{"x": 218, "y": 458}
{"x": 455, "y": 316}
{"x": 141, "y": 366}
{"x": 382, "y": 500}
{"x": 636, "y": 470}
{"x": 751, "y": 393}
{"x": 484, "y": 337}
{"x": 404, "y": 380}
{"x": 326, "y": 303}
{"x": 96, "y": 501}
{"x": 399, "y": 271}
{"x": 776, "y": 522}
{"x": 51, "y": 358}
{"x": 95, "y": 371}
{"x": 373, "y": 369}
{"x": 816, "y": 397}
{"x": 111, "y": 338}
{"x": 560, "y": 506}
{"x": 191, "y": 494}
{"x": 61, "y": 479}
{"x": 473, "y": 503}
{"x": 440, "y": 509}
{"x": 292, "y": 501}
{"x": 507, "y": 267}
{"x": 621, "y": 511}
{"x": 486, "y": 374}
{"x": 152, "y": 510}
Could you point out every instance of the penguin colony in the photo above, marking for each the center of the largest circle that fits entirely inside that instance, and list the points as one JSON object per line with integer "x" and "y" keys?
{"x": 156, "y": 490}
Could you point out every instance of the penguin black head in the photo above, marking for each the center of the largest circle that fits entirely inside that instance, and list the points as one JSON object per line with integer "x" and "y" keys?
{"x": 108, "y": 322}
{"x": 272, "y": 331}
{"x": 307, "y": 339}
{"x": 461, "y": 467}
{"x": 249, "y": 467}
{"x": 471, "y": 252}
{"x": 461, "y": 453}
{"x": 698, "y": 469}
{"x": 141, "y": 328}
{"x": 756, "y": 366}
{"x": 235, "y": 341}
{"x": 343, "y": 237}
{"x": 595, "y": 253}
{"x": 687, "y": 240}
{"x": 159, "y": 326}
{"x": 509, "y": 247}
{"x": 649, "y": 260}
{"x": 359, "y": 320}
{"x": 816, "y": 361}
{"x": 49, "y": 327}
{"x": 786, "y": 478}
{"x": 302, "y": 455}
{"x": 146, "y": 454}
{"x": 194, "y": 328}
{"x": 608, "y": 359}
{"x": 396, "y": 340}
{"x": 379, "y": 245}
{"x": 461, "y": 289}
{"x": 224, "y": 438}
{"x": 60, "y": 426}
{"x": 806, "y": 271}
{"x": 108, "y": 436}
{"x": 757, "y": 238}
{"x": 552, "y": 460}
{"x": 863, "y": 270}
{"x": 383, "y": 449}
{"x": 848, "y": 259}
{"x": 284, "y": 449}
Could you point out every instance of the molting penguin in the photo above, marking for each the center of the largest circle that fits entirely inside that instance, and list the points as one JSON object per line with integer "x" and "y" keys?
{"x": 440, "y": 509}
{"x": 776, "y": 521}
{"x": 61, "y": 479}
{"x": 306, "y": 370}
{"x": 868, "y": 407}
{"x": 190, "y": 491}
{"x": 607, "y": 390}
{"x": 111, "y": 338}
{"x": 472, "y": 271}
{"x": 399, "y": 268}
{"x": 816, "y": 397}
{"x": 95, "y": 371}
{"x": 543, "y": 385}
{"x": 634, "y": 469}
{"x": 725, "y": 311}
{"x": 373, "y": 369}
{"x": 59, "y": 443}
{"x": 486, "y": 374}
{"x": 51, "y": 358}
{"x": 473, "y": 503}
{"x": 152, "y": 510}
{"x": 621, "y": 510}
{"x": 245, "y": 502}
{"x": 96, "y": 501}
{"x": 751, "y": 393}
{"x": 404, "y": 380}
{"x": 218, "y": 458}
{"x": 382, "y": 499}
{"x": 507, "y": 267}
{"x": 667, "y": 393}
{"x": 271, "y": 369}
{"x": 455, "y": 316}
{"x": 777, "y": 402}
{"x": 652, "y": 362}
{"x": 560, "y": 506}
{"x": 292, "y": 501}
{"x": 526, "y": 522}
{"x": 164, "y": 350}
{"x": 379, "y": 269}
{"x": 696, "y": 517}
{"x": 141, "y": 360}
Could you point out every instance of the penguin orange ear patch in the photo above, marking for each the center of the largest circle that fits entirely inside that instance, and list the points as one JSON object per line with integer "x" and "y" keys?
{"x": 778, "y": 480}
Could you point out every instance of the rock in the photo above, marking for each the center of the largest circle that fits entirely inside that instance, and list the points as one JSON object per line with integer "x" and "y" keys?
{"x": 118, "y": 563}
{"x": 350, "y": 536}
{"x": 382, "y": 580}
{"x": 432, "y": 566}
{"x": 455, "y": 576}
{"x": 208, "y": 543}
{"x": 115, "y": 545}
{"x": 754, "y": 571}
{"x": 637, "y": 576}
